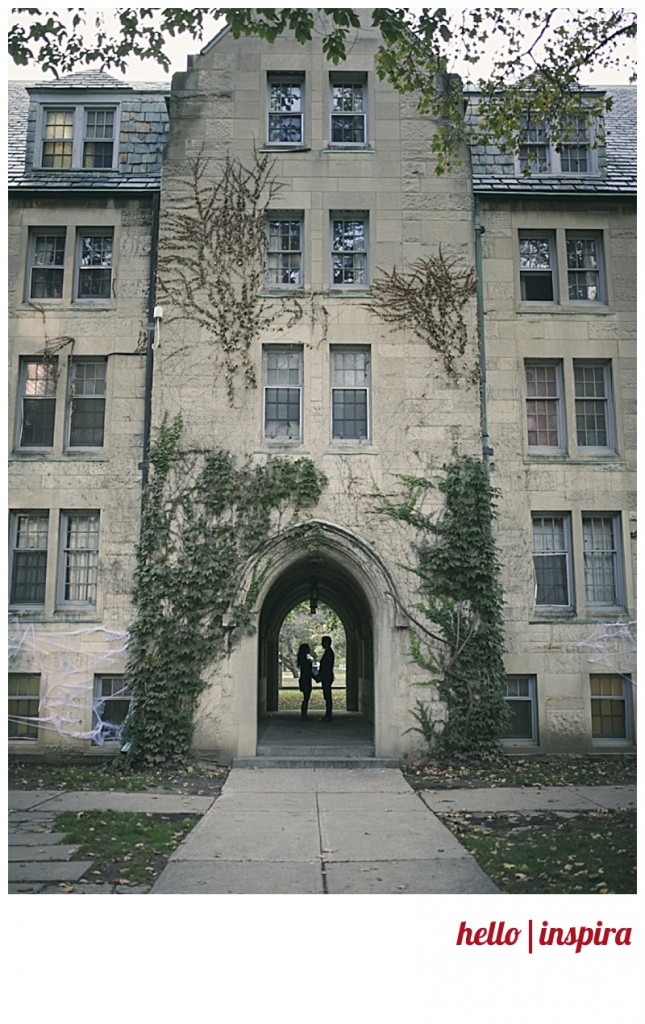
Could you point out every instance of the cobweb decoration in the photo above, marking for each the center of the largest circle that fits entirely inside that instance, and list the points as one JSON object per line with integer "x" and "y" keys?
{"x": 609, "y": 645}
{"x": 57, "y": 654}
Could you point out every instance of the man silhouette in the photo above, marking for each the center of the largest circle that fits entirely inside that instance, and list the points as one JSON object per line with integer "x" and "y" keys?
{"x": 326, "y": 674}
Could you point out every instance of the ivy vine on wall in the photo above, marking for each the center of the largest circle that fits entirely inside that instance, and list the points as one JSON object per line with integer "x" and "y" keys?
{"x": 458, "y": 634}
{"x": 203, "y": 517}
{"x": 211, "y": 264}
{"x": 430, "y": 300}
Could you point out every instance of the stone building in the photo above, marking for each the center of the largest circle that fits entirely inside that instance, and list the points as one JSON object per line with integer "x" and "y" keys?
{"x": 99, "y": 355}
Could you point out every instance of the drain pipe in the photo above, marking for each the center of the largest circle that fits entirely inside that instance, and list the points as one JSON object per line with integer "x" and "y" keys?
{"x": 144, "y": 465}
{"x": 487, "y": 451}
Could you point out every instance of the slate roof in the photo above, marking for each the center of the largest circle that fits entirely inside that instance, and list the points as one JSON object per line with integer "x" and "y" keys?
{"x": 493, "y": 173}
{"x": 143, "y": 133}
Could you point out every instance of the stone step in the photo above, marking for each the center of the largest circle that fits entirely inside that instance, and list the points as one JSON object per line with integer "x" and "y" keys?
{"x": 315, "y": 750}
{"x": 309, "y": 761}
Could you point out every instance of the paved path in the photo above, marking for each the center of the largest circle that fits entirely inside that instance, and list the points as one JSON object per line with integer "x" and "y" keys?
{"x": 285, "y": 831}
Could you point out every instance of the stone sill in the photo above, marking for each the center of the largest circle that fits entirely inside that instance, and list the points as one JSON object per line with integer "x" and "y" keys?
{"x": 556, "y": 310}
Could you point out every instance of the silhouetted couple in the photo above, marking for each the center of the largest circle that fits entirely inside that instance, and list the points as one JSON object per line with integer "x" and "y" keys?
{"x": 324, "y": 675}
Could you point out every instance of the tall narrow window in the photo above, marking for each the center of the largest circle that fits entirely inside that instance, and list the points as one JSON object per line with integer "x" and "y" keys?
{"x": 552, "y": 561}
{"x": 286, "y": 111}
{"x": 601, "y": 536}
{"x": 534, "y": 147}
{"x": 80, "y": 557}
{"x": 98, "y": 144}
{"x": 95, "y": 265}
{"x": 584, "y": 267}
{"x": 537, "y": 267}
{"x": 284, "y": 252}
{"x": 58, "y": 139}
{"x": 522, "y": 708}
{"x": 610, "y": 707}
{"x": 29, "y": 561}
{"x": 111, "y": 706}
{"x": 283, "y": 393}
{"x": 37, "y": 402}
{"x": 348, "y": 110}
{"x": 574, "y": 153}
{"x": 24, "y": 702}
{"x": 349, "y": 250}
{"x": 594, "y": 417}
{"x": 350, "y": 376}
{"x": 87, "y": 403}
{"x": 46, "y": 264}
{"x": 544, "y": 413}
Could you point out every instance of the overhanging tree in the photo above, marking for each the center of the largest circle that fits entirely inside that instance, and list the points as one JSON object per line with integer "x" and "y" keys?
{"x": 543, "y": 50}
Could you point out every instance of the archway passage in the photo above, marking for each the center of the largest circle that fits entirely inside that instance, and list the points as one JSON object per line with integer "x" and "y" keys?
{"x": 327, "y": 579}
{"x": 308, "y": 623}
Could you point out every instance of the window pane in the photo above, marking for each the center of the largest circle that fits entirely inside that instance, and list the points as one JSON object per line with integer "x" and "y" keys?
{"x": 38, "y": 403}
{"x": 600, "y": 558}
{"x": 608, "y": 707}
{"x": 285, "y": 112}
{"x": 536, "y": 269}
{"x": 284, "y": 256}
{"x": 99, "y": 132}
{"x": 348, "y": 114}
{"x": 24, "y": 701}
{"x": 591, "y": 405}
{"x": 583, "y": 269}
{"x": 111, "y": 706}
{"x": 81, "y": 558}
{"x": 48, "y": 258}
{"x": 58, "y": 138}
{"x": 95, "y": 273}
{"x": 349, "y": 413}
{"x": 542, "y": 405}
{"x": 29, "y": 559}
{"x": 87, "y": 403}
{"x": 550, "y": 558}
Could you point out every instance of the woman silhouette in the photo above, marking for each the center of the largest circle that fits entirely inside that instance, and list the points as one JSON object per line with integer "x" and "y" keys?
{"x": 305, "y": 663}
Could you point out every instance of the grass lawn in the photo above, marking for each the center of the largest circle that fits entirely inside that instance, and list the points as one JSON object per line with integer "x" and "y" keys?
{"x": 290, "y": 700}
{"x": 573, "y": 853}
{"x": 589, "y": 770}
{"x": 126, "y": 848}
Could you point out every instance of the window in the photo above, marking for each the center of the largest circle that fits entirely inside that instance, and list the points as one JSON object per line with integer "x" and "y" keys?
{"x": 79, "y": 557}
{"x": 594, "y": 416}
{"x": 552, "y": 560}
{"x": 46, "y": 264}
{"x": 86, "y": 402}
{"x": 348, "y": 110}
{"x": 349, "y": 250}
{"x": 78, "y": 137}
{"x": 544, "y": 412}
{"x": 283, "y": 393}
{"x": 602, "y": 560}
{"x": 286, "y": 110}
{"x": 29, "y": 557}
{"x": 98, "y": 143}
{"x": 534, "y": 147}
{"x": 539, "y": 155}
{"x": 24, "y": 702}
{"x": 111, "y": 706}
{"x": 537, "y": 267}
{"x": 575, "y": 151}
{"x": 94, "y": 265}
{"x": 350, "y": 388}
{"x": 37, "y": 402}
{"x": 521, "y": 701}
{"x": 284, "y": 252}
{"x": 610, "y": 707}
{"x": 584, "y": 267}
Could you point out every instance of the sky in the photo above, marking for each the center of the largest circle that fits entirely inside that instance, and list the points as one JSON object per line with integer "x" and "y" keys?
{"x": 181, "y": 47}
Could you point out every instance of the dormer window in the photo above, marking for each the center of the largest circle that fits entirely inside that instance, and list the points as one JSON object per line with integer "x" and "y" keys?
{"x": 538, "y": 154}
{"x": 77, "y": 137}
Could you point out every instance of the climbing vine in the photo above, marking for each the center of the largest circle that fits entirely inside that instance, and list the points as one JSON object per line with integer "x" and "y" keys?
{"x": 212, "y": 252}
{"x": 458, "y": 633}
{"x": 203, "y": 516}
{"x": 430, "y": 301}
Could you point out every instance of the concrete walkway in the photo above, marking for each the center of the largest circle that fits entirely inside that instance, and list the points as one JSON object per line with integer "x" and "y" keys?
{"x": 287, "y": 831}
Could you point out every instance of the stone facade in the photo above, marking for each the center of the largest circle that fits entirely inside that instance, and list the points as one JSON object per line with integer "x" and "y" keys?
{"x": 379, "y": 185}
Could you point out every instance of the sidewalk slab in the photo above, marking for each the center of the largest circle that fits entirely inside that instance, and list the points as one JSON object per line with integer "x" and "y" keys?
{"x": 282, "y": 878}
{"x": 48, "y": 871}
{"x": 154, "y": 803}
{"x": 529, "y": 799}
{"x": 448, "y": 876}
{"x": 41, "y": 853}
